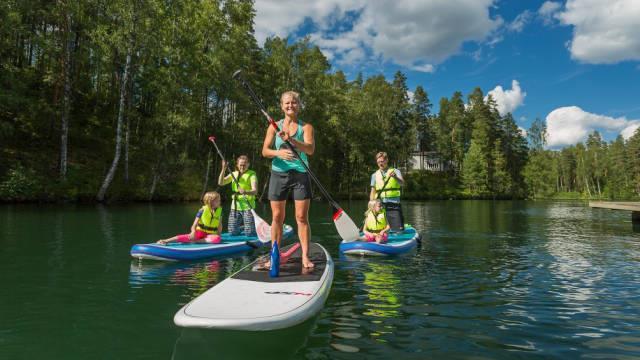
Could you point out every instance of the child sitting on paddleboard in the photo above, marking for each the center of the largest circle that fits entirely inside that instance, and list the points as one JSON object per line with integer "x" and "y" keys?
{"x": 207, "y": 226}
{"x": 376, "y": 227}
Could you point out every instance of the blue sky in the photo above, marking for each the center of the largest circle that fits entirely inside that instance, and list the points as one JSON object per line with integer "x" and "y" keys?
{"x": 573, "y": 63}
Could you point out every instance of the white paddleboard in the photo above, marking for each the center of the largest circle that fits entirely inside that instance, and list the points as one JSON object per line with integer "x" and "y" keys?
{"x": 251, "y": 300}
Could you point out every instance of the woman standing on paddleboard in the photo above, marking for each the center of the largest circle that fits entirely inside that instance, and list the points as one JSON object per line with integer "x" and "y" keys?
{"x": 288, "y": 173}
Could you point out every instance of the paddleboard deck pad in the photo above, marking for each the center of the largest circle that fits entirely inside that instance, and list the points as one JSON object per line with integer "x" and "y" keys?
{"x": 231, "y": 244}
{"x": 397, "y": 244}
{"x": 251, "y": 300}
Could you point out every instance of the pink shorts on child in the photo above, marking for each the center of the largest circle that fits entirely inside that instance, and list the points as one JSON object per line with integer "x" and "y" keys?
{"x": 209, "y": 238}
{"x": 372, "y": 237}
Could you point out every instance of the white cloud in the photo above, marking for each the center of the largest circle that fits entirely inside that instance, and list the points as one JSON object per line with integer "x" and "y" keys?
{"x": 412, "y": 33}
{"x": 630, "y": 130}
{"x": 523, "y": 131}
{"x": 411, "y": 96}
{"x": 428, "y": 68}
{"x": 520, "y": 21}
{"x": 548, "y": 11}
{"x": 271, "y": 14}
{"x": 508, "y": 100}
{"x": 605, "y": 32}
{"x": 570, "y": 125}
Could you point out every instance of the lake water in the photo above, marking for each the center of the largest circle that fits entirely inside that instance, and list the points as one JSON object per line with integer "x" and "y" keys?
{"x": 491, "y": 280}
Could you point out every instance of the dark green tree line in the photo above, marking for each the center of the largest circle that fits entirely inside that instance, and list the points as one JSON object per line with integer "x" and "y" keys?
{"x": 115, "y": 100}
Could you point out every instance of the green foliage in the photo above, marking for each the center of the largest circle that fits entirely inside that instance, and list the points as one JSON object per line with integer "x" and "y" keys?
{"x": 20, "y": 185}
{"x": 539, "y": 174}
{"x": 180, "y": 91}
{"x": 430, "y": 185}
{"x": 475, "y": 176}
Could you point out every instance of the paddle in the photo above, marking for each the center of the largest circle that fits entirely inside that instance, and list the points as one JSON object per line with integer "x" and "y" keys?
{"x": 384, "y": 187}
{"x": 347, "y": 229}
{"x": 263, "y": 229}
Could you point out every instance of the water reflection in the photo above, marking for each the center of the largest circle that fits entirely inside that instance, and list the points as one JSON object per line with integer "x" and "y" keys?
{"x": 231, "y": 344}
{"x": 196, "y": 277}
{"x": 374, "y": 312}
{"x": 576, "y": 277}
{"x": 382, "y": 289}
{"x": 106, "y": 226}
{"x": 495, "y": 280}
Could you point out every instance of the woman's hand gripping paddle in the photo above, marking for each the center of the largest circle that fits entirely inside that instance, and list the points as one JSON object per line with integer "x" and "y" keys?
{"x": 263, "y": 229}
{"x": 347, "y": 229}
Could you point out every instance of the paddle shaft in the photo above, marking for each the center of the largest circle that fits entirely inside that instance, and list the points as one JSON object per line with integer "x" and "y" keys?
{"x": 258, "y": 103}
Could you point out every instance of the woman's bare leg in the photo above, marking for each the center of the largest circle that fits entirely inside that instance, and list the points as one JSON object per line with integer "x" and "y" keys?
{"x": 304, "y": 230}
{"x": 277, "y": 220}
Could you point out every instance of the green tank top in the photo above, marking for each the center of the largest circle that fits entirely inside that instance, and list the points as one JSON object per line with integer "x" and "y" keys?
{"x": 281, "y": 165}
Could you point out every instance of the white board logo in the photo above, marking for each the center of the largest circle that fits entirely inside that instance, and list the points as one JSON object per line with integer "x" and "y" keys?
{"x": 288, "y": 293}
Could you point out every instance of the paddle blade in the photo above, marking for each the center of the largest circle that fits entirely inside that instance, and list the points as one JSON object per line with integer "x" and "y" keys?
{"x": 263, "y": 229}
{"x": 347, "y": 229}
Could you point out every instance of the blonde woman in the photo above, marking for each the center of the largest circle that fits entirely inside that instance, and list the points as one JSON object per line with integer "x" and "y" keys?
{"x": 288, "y": 173}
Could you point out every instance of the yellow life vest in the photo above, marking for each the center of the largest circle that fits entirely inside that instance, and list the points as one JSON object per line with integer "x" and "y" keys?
{"x": 240, "y": 202}
{"x": 392, "y": 189}
{"x": 209, "y": 221}
{"x": 376, "y": 222}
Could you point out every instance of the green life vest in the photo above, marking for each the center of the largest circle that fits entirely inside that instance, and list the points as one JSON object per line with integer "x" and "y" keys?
{"x": 209, "y": 221}
{"x": 376, "y": 223}
{"x": 243, "y": 202}
{"x": 392, "y": 190}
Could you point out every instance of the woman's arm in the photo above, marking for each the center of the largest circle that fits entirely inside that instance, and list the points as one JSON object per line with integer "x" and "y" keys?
{"x": 309, "y": 145}
{"x": 254, "y": 186}
{"x": 224, "y": 180}
{"x": 270, "y": 153}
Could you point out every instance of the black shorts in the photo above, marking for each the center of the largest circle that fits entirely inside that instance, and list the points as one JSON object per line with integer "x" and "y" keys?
{"x": 281, "y": 183}
{"x": 394, "y": 216}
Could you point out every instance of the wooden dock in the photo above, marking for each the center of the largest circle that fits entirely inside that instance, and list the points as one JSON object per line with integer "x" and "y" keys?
{"x": 634, "y": 207}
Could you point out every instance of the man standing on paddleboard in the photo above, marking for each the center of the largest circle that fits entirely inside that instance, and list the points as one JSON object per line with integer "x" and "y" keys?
{"x": 288, "y": 173}
{"x": 386, "y": 183}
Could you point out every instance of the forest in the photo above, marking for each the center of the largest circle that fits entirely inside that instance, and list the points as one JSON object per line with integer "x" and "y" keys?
{"x": 114, "y": 101}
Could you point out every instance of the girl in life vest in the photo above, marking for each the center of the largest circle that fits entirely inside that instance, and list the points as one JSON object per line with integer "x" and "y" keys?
{"x": 376, "y": 227}
{"x": 207, "y": 226}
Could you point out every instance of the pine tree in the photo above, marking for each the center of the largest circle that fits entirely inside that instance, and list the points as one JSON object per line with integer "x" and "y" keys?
{"x": 422, "y": 113}
{"x": 633, "y": 154}
{"x": 475, "y": 171}
{"x": 618, "y": 184}
{"x": 483, "y": 134}
{"x": 538, "y": 172}
{"x": 502, "y": 180}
